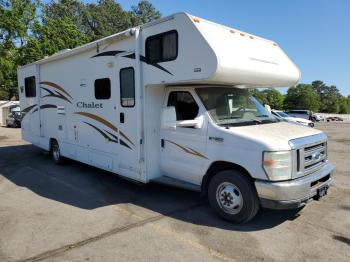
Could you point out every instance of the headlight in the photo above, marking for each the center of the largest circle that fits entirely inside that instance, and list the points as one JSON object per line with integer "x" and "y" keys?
{"x": 278, "y": 165}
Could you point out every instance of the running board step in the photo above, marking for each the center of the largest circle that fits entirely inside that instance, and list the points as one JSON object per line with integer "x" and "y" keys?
{"x": 169, "y": 181}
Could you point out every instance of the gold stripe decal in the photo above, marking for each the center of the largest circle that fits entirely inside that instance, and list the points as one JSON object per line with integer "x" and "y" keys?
{"x": 56, "y": 86}
{"x": 105, "y": 122}
{"x": 52, "y": 94}
{"x": 188, "y": 150}
{"x": 26, "y": 110}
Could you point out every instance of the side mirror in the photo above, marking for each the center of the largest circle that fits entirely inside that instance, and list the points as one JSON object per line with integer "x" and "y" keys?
{"x": 268, "y": 108}
{"x": 195, "y": 123}
{"x": 168, "y": 118}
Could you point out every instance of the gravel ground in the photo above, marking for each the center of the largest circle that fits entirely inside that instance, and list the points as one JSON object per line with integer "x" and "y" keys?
{"x": 79, "y": 213}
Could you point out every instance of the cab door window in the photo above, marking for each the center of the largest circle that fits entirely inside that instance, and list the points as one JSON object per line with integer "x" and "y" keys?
{"x": 185, "y": 106}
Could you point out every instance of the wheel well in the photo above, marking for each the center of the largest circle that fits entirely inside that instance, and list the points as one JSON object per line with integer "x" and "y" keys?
{"x": 51, "y": 142}
{"x": 216, "y": 167}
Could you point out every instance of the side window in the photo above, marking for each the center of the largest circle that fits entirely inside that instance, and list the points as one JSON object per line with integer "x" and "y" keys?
{"x": 30, "y": 86}
{"x": 185, "y": 105}
{"x": 127, "y": 87}
{"x": 102, "y": 88}
{"x": 162, "y": 47}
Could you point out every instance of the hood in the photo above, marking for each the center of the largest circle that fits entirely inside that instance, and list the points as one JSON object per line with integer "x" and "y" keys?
{"x": 274, "y": 136}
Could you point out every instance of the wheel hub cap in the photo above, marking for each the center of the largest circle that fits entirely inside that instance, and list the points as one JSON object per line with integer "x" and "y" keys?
{"x": 229, "y": 198}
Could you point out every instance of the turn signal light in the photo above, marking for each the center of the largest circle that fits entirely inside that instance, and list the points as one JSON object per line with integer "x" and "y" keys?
{"x": 269, "y": 162}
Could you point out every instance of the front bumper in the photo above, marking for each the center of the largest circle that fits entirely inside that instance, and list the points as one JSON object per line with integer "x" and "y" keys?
{"x": 293, "y": 193}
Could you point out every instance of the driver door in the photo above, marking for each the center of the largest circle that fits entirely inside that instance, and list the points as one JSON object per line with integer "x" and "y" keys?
{"x": 183, "y": 149}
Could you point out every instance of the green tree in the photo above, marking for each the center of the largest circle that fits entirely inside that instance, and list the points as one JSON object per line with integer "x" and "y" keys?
{"x": 8, "y": 73}
{"x": 145, "y": 12}
{"x": 30, "y": 30}
{"x": 344, "y": 105}
{"x": 269, "y": 96}
{"x": 302, "y": 96}
{"x": 52, "y": 36}
{"x": 106, "y": 18}
{"x": 260, "y": 96}
{"x": 74, "y": 10}
{"x": 274, "y": 98}
{"x": 328, "y": 95}
{"x": 17, "y": 18}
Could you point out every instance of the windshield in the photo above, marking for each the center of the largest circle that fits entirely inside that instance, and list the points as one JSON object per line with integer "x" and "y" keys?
{"x": 233, "y": 106}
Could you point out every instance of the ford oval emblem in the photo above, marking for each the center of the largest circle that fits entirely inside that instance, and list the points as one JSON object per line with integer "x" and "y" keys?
{"x": 316, "y": 155}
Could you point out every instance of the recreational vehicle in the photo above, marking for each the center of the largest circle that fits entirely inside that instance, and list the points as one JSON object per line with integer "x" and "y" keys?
{"x": 169, "y": 102}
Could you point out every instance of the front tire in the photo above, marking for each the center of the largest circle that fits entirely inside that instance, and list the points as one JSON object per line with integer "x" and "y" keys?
{"x": 233, "y": 196}
{"x": 56, "y": 153}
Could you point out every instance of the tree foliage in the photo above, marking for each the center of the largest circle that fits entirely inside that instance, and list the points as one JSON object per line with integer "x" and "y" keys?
{"x": 317, "y": 97}
{"x": 31, "y": 30}
{"x": 302, "y": 96}
{"x": 328, "y": 95}
{"x": 145, "y": 12}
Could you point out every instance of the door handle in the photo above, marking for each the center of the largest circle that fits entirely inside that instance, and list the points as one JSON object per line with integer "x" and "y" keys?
{"x": 216, "y": 139}
{"x": 121, "y": 118}
{"x": 162, "y": 143}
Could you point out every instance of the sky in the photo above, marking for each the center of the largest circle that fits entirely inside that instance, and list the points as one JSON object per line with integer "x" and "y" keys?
{"x": 314, "y": 33}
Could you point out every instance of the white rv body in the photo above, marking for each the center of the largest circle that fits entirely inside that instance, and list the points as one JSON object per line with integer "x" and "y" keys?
{"x": 131, "y": 141}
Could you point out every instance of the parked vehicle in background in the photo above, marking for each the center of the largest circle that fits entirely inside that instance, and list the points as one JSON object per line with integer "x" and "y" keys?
{"x": 295, "y": 120}
{"x": 14, "y": 118}
{"x": 168, "y": 102}
{"x": 305, "y": 114}
{"x": 334, "y": 118}
{"x": 317, "y": 118}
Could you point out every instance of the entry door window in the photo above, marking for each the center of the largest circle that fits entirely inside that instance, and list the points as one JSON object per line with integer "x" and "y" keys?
{"x": 127, "y": 87}
{"x": 185, "y": 106}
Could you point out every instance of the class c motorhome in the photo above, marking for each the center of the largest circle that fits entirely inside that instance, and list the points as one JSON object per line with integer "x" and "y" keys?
{"x": 169, "y": 102}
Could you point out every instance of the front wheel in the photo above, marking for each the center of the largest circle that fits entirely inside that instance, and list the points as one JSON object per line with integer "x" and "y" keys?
{"x": 233, "y": 195}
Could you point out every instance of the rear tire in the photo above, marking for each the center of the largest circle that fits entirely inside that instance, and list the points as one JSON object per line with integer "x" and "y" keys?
{"x": 233, "y": 196}
{"x": 56, "y": 153}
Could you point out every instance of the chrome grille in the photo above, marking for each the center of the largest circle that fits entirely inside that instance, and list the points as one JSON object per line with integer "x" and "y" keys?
{"x": 309, "y": 154}
{"x": 311, "y": 158}
{"x": 314, "y": 155}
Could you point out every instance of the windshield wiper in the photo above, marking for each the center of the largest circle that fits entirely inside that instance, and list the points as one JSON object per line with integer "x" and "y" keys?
{"x": 262, "y": 116}
{"x": 257, "y": 121}
{"x": 229, "y": 117}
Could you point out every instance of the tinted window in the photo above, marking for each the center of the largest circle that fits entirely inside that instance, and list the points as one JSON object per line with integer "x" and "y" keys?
{"x": 162, "y": 47}
{"x": 127, "y": 87}
{"x": 30, "y": 87}
{"x": 102, "y": 88}
{"x": 185, "y": 106}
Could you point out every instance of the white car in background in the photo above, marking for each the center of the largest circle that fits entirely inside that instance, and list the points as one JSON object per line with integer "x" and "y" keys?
{"x": 295, "y": 120}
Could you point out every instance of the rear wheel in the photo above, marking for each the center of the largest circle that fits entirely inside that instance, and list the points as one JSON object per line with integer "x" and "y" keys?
{"x": 56, "y": 153}
{"x": 232, "y": 194}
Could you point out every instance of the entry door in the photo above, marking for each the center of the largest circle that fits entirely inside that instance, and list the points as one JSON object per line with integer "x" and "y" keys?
{"x": 183, "y": 150}
{"x": 127, "y": 118}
